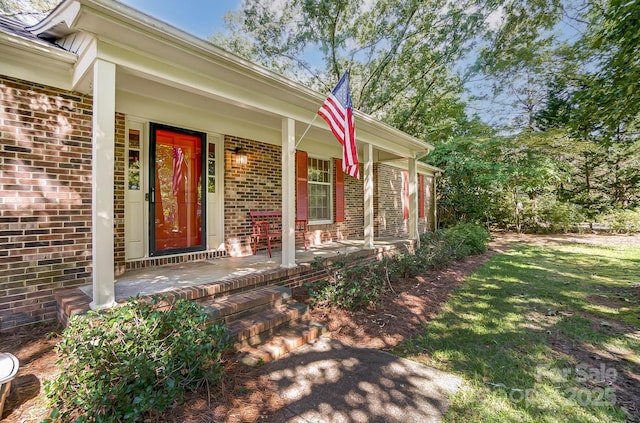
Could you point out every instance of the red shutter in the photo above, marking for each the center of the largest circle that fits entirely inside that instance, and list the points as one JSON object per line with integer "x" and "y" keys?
{"x": 405, "y": 193}
{"x": 339, "y": 191}
{"x": 302, "y": 202}
{"x": 420, "y": 195}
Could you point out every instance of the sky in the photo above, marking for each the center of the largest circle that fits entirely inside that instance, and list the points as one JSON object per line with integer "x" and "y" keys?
{"x": 201, "y": 18}
{"x": 204, "y": 18}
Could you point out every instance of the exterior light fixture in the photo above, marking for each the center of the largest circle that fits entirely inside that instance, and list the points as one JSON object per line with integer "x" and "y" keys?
{"x": 240, "y": 156}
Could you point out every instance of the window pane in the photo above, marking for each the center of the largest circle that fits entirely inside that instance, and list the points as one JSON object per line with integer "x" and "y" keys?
{"x": 134, "y": 170}
{"x": 319, "y": 185}
{"x": 211, "y": 168}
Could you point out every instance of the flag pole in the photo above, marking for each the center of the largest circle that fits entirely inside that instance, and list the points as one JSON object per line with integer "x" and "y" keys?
{"x": 306, "y": 130}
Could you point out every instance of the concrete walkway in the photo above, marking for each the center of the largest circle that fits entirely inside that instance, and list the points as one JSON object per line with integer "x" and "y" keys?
{"x": 329, "y": 382}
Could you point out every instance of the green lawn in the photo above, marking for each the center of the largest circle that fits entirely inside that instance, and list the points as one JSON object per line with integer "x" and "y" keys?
{"x": 541, "y": 334}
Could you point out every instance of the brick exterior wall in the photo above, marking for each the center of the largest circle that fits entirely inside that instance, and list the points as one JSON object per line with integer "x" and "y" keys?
{"x": 387, "y": 198}
{"x": 387, "y": 202}
{"x": 45, "y": 198}
{"x": 119, "y": 194}
{"x": 256, "y": 186}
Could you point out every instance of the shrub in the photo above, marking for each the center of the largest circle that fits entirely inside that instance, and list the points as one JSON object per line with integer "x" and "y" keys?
{"x": 465, "y": 239}
{"x": 349, "y": 287}
{"x": 360, "y": 285}
{"x": 406, "y": 265}
{"x": 621, "y": 220}
{"x": 560, "y": 217}
{"x": 125, "y": 361}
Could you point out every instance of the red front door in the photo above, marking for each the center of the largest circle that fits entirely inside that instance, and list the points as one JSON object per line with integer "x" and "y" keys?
{"x": 176, "y": 205}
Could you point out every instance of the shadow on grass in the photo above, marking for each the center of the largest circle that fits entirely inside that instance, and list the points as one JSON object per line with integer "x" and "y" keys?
{"x": 520, "y": 326}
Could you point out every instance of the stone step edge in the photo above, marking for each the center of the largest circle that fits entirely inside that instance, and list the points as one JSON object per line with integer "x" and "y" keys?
{"x": 235, "y": 306}
{"x": 283, "y": 342}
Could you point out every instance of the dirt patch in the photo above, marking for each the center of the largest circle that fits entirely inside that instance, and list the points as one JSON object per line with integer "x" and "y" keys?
{"x": 247, "y": 396}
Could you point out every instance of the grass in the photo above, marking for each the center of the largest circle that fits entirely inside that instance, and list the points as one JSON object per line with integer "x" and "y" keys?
{"x": 524, "y": 332}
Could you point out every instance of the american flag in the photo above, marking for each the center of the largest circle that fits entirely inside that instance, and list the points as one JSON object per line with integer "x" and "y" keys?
{"x": 178, "y": 171}
{"x": 337, "y": 110}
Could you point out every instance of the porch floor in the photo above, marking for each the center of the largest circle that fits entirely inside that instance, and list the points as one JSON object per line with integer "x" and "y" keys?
{"x": 160, "y": 279}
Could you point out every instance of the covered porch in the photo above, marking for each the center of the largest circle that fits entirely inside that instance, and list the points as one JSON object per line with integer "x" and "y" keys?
{"x": 208, "y": 281}
{"x": 169, "y": 279}
{"x": 241, "y": 138}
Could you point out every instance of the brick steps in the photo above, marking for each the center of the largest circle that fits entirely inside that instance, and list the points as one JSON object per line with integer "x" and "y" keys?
{"x": 258, "y": 327}
{"x": 236, "y": 306}
{"x": 263, "y": 323}
{"x": 282, "y": 342}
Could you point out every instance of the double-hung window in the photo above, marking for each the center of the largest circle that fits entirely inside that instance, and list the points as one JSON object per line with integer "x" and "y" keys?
{"x": 320, "y": 190}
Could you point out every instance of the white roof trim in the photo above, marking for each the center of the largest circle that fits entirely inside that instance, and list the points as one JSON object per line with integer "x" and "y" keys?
{"x": 422, "y": 167}
{"x": 61, "y": 21}
{"x": 41, "y": 49}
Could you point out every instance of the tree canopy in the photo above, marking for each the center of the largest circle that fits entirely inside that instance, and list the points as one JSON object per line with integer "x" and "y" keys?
{"x": 532, "y": 104}
{"x": 401, "y": 55}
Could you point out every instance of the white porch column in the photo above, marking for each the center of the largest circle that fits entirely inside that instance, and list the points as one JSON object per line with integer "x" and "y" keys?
{"x": 413, "y": 201}
{"x": 435, "y": 202}
{"x": 102, "y": 153}
{"x": 368, "y": 196}
{"x": 288, "y": 193}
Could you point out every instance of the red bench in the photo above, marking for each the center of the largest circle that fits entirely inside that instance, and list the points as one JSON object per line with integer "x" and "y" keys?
{"x": 268, "y": 224}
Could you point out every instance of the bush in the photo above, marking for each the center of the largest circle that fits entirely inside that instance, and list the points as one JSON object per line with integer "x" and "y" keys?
{"x": 361, "y": 285}
{"x": 349, "y": 287}
{"x": 621, "y": 220}
{"x": 465, "y": 239}
{"x": 560, "y": 217}
{"x": 125, "y": 361}
{"x": 437, "y": 249}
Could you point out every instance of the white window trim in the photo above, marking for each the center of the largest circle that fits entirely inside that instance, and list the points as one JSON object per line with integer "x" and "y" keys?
{"x": 331, "y": 193}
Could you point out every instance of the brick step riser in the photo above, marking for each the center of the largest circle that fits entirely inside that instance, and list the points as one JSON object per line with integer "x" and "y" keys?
{"x": 265, "y": 336}
{"x": 253, "y": 334}
{"x": 281, "y": 343}
{"x": 208, "y": 292}
{"x": 249, "y": 310}
{"x": 237, "y": 306}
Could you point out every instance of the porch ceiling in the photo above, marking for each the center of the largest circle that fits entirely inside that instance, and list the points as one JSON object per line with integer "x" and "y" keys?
{"x": 190, "y": 70}
{"x": 224, "y": 115}
{"x": 138, "y": 95}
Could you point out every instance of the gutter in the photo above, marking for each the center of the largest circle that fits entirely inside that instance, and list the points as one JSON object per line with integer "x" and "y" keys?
{"x": 39, "y": 48}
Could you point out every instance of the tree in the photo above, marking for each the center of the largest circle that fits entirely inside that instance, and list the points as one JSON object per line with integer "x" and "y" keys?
{"x": 519, "y": 58}
{"x": 29, "y": 11}
{"x": 400, "y": 54}
{"x": 472, "y": 183}
{"x": 614, "y": 41}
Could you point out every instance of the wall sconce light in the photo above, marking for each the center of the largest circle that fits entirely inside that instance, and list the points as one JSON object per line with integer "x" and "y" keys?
{"x": 240, "y": 156}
